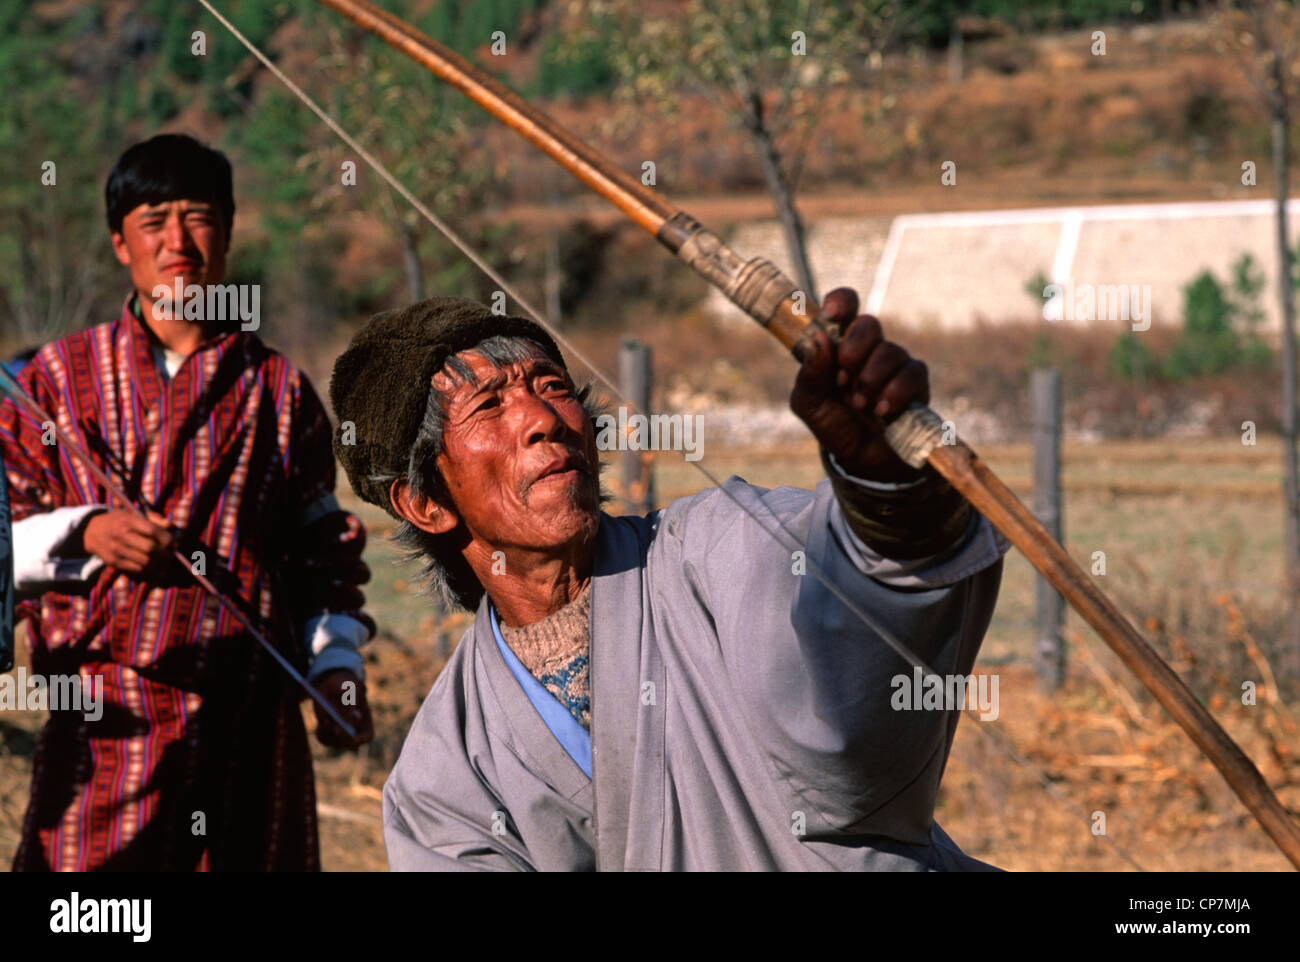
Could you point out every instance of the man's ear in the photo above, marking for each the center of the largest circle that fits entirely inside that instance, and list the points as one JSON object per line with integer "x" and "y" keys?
{"x": 120, "y": 249}
{"x": 421, "y": 510}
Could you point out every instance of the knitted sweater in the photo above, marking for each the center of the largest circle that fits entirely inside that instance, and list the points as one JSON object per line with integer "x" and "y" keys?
{"x": 555, "y": 651}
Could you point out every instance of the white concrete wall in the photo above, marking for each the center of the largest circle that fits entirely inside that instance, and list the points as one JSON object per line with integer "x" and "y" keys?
{"x": 950, "y": 269}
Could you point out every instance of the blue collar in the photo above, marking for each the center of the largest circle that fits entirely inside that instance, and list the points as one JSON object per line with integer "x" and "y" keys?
{"x": 573, "y": 738}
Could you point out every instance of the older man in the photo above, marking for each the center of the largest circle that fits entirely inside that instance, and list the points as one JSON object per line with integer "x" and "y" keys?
{"x": 666, "y": 692}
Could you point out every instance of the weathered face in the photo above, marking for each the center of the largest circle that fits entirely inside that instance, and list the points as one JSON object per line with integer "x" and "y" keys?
{"x": 178, "y": 238}
{"x": 519, "y": 454}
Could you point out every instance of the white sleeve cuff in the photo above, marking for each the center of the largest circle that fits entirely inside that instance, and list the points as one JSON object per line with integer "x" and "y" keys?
{"x": 333, "y": 641}
{"x": 38, "y": 541}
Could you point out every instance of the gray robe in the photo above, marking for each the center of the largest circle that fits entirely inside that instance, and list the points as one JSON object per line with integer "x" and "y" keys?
{"x": 741, "y": 715}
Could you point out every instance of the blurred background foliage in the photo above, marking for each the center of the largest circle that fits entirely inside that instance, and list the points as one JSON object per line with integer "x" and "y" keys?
{"x": 83, "y": 80}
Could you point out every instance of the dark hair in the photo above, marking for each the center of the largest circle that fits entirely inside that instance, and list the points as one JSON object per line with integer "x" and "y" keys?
{"x": 447, "y": 575}
{"x": 169, "y": 167}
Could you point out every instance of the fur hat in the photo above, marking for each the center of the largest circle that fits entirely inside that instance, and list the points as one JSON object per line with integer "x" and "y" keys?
{"x": 381, "y": 382}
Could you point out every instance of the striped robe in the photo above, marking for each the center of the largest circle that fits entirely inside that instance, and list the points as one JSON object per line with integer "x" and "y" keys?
{"x": 200, "y": 759}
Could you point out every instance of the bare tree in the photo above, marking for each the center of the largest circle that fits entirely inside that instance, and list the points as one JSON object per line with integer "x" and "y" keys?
{"x": 1266, "y": 40}
{"x": 55, "y": 288}
{"x": 418, "y": 124}
{"x": 56, "y": 266}
{"x": 770, "y": 65}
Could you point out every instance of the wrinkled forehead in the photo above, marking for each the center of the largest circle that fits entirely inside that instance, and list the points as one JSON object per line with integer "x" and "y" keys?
{"x": 497, "y": 359}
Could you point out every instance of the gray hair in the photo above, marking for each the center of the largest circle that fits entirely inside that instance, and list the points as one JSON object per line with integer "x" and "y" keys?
{"x": 446, "y": 575}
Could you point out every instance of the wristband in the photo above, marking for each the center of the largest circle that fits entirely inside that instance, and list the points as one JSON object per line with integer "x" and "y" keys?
{"x": 919, "y": 520}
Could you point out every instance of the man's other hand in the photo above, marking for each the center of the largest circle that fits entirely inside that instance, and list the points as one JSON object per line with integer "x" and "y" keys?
{"x": 124, "y": 540}
{"x": 347, "y": 693}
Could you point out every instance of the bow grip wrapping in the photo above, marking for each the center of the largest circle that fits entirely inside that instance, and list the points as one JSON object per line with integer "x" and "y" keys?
{"x": 758, "y": 288}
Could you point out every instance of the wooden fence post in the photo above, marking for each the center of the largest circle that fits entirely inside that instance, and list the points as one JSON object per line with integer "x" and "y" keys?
{"x": 1045, "y": 394}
